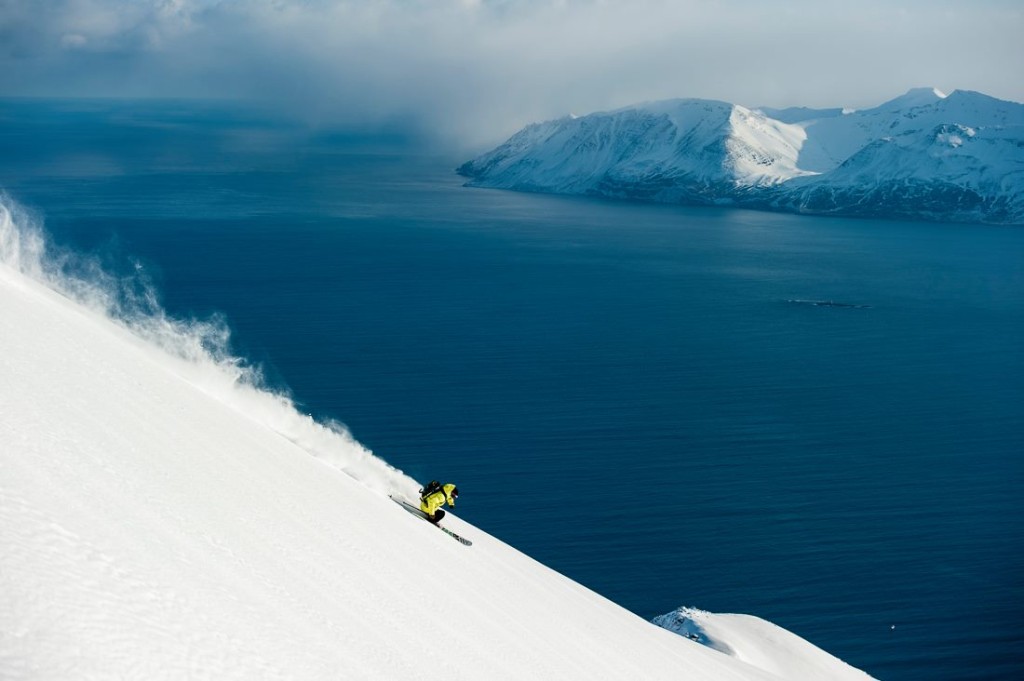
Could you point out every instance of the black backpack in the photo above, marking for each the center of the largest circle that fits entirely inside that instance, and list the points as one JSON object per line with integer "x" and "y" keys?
{"x": 432, "y": 486}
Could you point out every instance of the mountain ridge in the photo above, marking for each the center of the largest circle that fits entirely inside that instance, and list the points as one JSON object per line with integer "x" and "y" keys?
{"x": 922, "y": 155}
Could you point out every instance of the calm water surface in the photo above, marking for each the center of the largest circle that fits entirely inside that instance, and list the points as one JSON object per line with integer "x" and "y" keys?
{"x": 624, "y": 392}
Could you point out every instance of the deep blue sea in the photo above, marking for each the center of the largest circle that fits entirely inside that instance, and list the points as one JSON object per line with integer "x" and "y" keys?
{"x": 625, "y": 392}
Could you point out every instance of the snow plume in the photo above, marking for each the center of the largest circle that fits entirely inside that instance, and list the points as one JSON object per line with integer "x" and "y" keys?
{"x": 197, "y": 350}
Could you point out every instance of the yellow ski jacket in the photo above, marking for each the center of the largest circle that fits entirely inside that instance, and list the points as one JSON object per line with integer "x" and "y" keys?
{"x": 432, "y": 502}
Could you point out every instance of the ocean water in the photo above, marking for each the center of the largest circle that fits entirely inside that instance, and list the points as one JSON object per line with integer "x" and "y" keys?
{"x": 646, "y": 398}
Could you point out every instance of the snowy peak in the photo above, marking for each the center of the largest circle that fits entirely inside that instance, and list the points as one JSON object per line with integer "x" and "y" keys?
{"x": 833, "y": 141}
{"x": 658, "y": 148}
{"x": 966, "y": 147}
{"x": 763, "y": 150}
{"x": 686, "y": 114}
{"x": 979, "y": 110}
{"x": 919, "y": 96}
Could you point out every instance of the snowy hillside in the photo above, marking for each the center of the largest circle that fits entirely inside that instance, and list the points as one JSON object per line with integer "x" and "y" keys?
{"x": 922, "y": 155}
{"x": 164, "y": 519}
{"x": 680, "y": 150}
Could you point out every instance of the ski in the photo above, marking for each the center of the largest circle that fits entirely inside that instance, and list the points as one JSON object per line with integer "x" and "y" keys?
{"x": 420, "y": 514}
{"x": 455, "y": 536}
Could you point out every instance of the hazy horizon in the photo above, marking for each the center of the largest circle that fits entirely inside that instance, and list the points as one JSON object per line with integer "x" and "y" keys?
{"x": 467, "y": 72}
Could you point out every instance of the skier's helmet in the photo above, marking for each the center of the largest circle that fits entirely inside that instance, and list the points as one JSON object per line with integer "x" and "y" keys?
{"x": 455, "y": 492}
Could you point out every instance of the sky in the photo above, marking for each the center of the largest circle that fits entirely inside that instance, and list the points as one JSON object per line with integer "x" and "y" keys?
{"x": 474, "y": 71}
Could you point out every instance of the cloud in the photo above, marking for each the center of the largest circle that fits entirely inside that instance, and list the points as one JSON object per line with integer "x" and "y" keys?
{"x": 475, "y": 70}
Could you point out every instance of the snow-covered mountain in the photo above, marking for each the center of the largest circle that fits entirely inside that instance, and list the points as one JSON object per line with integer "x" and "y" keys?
{"x": 923, "y": 155}
{"x": 164, "y": 520}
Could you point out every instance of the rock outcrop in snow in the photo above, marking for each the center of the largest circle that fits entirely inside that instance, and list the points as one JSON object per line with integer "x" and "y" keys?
{"x": 922, "y": 155}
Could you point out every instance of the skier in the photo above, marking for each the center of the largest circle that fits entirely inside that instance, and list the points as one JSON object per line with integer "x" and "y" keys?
{"x": 434, "y": 496}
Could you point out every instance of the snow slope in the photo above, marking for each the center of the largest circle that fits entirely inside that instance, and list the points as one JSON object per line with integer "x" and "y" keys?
{"x": 921, "y": 155}
{"x": 164, "y": 520}
{"x": 744, "y": 638}
{"x": 687, "y": 149}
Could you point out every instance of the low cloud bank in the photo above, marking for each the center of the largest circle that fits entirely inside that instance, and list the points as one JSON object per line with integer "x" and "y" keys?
{"x": 474, "y": 71}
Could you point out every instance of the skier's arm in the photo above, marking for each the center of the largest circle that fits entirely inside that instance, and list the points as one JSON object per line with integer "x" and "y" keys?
{"x": 448, "y": 496}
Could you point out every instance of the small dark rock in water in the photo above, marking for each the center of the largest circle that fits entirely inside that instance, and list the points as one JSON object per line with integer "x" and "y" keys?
{"x": 827, "y": 303}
